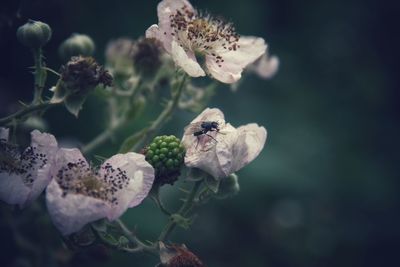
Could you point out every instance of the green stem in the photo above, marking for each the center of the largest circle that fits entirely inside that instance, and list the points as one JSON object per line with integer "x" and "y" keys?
{"x": 187, "y": 205}
{"x": 164, "y": 116}
{"x": 133, "y": 238}
{"x": 40, "y": 75}
{"x": 26, "y": 111}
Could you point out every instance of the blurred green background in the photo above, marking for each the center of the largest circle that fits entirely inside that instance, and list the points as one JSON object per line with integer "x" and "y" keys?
{"x": 324, "y": 192}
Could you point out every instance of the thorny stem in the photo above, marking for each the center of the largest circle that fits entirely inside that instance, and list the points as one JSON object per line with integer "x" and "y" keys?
{"x": 40, "y": 75}
{"x": 26, "y": 111}
{"x": 187, "y": 205}
{"x": 133, "y": 238}
{"x": 164, "y": 116}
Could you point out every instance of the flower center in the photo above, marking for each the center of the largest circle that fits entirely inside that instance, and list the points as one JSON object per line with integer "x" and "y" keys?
{"x": 203, "y": 34}
{"x": 79, "y": 178}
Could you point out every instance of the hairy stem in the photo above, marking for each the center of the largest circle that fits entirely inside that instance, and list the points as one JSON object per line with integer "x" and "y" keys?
{"x": 164, "y": 116}
{"x": 187, "y": 205}
{"x": 40, "y": 75}
{"x": 27, "y": 111}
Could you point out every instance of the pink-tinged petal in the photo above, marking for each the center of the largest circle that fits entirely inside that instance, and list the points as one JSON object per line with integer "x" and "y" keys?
{"x": 67, "y": 155}
{"x": 45, "y": 148}
{"x": 229, "y": 71}
{"x": 4, "y": 132}
{"x": 250, "y": 142}
{"x": 12, "y": 189}
{"x": 186, "y": 60}
{"x": 140, "y": 174}
{"x": 154, "y": 32}
{"x": 165, "y": 9}
{"x": 72, "y": 212}
{"x": 266, "y": 67}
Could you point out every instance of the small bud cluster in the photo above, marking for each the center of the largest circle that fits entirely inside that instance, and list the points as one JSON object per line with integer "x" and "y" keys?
{"x": 165, "y": 154}
{"x": 77, "y": 45}
{"x": 34, "y": 34}
{"x": 82, "y": 73}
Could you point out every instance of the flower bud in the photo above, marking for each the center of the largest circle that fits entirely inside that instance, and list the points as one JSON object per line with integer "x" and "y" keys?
{"x": 165, "y": 154}
{"x": 76, "y": 45}
{"x": 34, "y": 34}
{"x": 178, "y": 256}
{"x": 228, "y": 187}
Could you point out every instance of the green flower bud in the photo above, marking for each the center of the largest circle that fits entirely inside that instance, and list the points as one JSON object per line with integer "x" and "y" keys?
{"x": 34, "y": 34}
{"x": 228, "y": 187}
{"x": 76, "y": 45}
{"x": 165, "y": 154}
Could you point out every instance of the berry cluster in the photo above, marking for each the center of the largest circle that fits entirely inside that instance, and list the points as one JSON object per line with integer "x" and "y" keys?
{"x": 165, "y": 154}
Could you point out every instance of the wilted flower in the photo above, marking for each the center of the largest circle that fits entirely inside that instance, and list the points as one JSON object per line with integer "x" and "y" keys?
{"x": 178, "y": 256}
{"x": 24, "y": 175}
{"x": 79, "y": 194}
{"x": 223, "y": 150}
{"x": 78, "y": 77}
{"x": 189, "y": 36}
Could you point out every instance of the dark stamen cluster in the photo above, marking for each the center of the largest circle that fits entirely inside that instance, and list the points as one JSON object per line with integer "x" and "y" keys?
{"x": 203, "y": 33}
{"x": 12, "y": 161}
{"x": 104, "y": 183}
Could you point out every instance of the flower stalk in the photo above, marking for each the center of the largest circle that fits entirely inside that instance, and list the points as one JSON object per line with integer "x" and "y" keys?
{"x": 40, "y": 75}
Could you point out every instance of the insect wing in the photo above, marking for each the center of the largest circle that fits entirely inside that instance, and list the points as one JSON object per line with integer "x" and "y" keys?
{"x": 193, "y": 127}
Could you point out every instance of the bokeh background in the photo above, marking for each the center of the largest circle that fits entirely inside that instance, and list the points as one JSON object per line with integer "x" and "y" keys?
{"x": 324, "y": 192}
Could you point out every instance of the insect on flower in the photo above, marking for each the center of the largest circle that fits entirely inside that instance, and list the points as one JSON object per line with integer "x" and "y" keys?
{"x": 201, "y": 128}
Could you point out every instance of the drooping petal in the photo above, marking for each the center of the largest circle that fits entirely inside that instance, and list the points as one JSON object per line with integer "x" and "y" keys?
{"x": 229, "y": 71}
{"x": 12, "y": 189}
{"x": 250, "y": 141}
{"x": 70, "y": 211}
{"x": 4, "y": 132}
{"x": 165, "y": 9}
{"x": 132, "y": 177}
{"x": 45, "y": 148}
{"x": 186, "y": 60}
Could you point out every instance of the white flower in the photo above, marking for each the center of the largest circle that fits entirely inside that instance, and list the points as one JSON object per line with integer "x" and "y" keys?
{"x": 224, "y": 151}
{"x": 186, "y": 34}
{"x": 79, "y": 194}
{"x": 24, "y": 175}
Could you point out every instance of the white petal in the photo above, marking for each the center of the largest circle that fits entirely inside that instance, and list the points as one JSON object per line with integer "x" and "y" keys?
{"x": 46, "y": 149}
{"x": 229, "y": 71}
{"x": 266, "y": 67}
{"x": 72, "y": 212}
{"x": 165, "y": 9}
{"x": 4, "y": 132}
{"x": 250, "y": 142}
{"x": 186, "y": 60}
{"x": 12, "y": 189}
{"x": 141, "y": 175}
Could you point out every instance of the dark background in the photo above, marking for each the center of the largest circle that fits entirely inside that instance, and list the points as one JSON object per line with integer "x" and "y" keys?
{"x": 324, "y": 192}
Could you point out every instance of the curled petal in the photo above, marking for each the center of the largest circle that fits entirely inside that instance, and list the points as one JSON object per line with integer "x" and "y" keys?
{"x": 186, "y": 60}
{"x": 72, "y": 212}
{"x": 141, "y": 175}
{"x": 229, "y": 71}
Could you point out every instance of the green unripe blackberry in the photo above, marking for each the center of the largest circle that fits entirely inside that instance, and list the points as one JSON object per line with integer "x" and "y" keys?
{"x": 165, "y": 153}
{"x": 34, "y": 34}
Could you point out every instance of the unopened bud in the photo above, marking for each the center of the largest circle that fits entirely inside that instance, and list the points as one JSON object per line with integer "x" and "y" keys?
{"x": 76, "y": 45}
{"x": 34, "y": 34}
